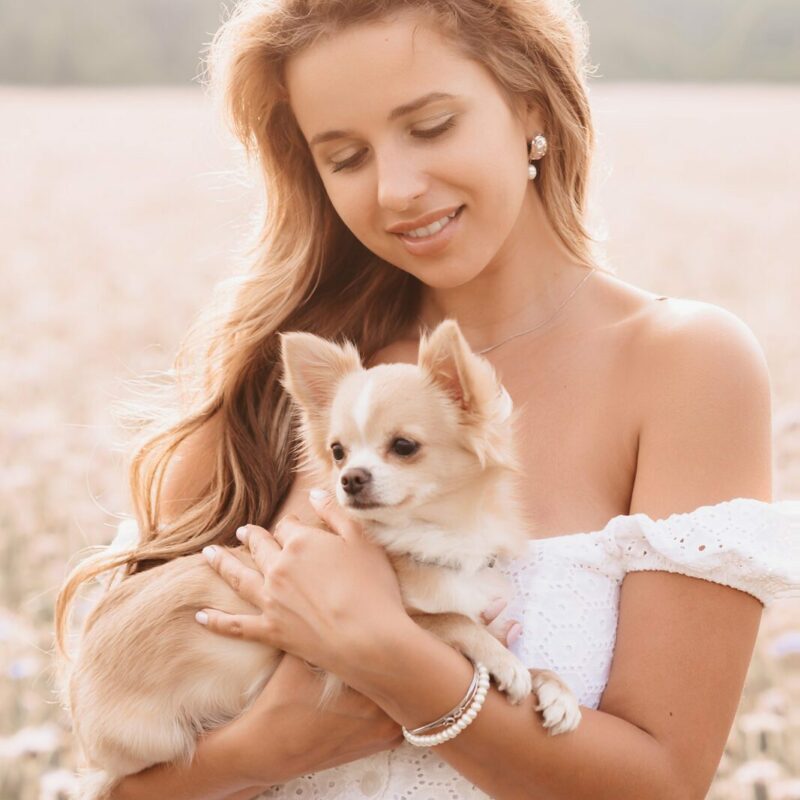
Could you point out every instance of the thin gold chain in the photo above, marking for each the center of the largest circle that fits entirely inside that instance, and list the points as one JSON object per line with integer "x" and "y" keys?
{"x": 541, "y": 324}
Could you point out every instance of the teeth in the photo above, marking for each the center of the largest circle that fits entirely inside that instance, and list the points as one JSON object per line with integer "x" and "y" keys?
{"x": 434, "y": 227}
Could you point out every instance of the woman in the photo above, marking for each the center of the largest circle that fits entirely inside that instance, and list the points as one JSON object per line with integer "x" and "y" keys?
{"x": 430, "y": 159}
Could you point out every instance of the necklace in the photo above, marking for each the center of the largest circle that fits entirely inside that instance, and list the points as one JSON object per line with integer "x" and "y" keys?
{"x": 541, "y": 324}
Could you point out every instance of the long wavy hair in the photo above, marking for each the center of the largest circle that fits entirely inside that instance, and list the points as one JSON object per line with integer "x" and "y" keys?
{"x": 309, "y": 272}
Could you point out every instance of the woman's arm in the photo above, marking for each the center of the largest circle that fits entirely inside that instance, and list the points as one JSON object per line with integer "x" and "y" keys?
{"x": 662, "y": 736}
{"x": 213, "y": 774}
{"x": 683, "y": 645}
{"x": 283, "y": 735}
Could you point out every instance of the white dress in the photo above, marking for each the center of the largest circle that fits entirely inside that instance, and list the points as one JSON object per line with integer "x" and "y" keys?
{"x": 567, "y": 596}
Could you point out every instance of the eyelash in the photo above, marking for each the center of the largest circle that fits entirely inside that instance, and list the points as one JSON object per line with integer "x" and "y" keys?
{"x": 431, "y": 133}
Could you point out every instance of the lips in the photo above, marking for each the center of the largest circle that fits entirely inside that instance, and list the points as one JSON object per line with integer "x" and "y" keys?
{"x": 435, "y": 243}
{"x": 423, "y": 221}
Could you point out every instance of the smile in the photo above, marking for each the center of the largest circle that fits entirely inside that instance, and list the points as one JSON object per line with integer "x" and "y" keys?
{"x": 433, "y": 238}
{"x": 434, "y": 227}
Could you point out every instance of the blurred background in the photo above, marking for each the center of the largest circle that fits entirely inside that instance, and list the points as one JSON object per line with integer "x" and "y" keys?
{"x": 123, "y": 201}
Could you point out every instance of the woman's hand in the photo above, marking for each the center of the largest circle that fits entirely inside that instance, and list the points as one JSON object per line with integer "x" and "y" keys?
{"x": 322, "y": 596}
{"x": 350, "y": 726}
{"x": 282, "y": 735}
{"x": 506, "y": 631}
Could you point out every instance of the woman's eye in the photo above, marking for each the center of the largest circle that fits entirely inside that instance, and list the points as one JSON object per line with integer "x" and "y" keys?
{"x": 337, "y": 451}
{"x": 336, "y": 166}
{"x": 430, "y": 133}
{"x": 420, "y": 133}
{"x": 404, "y": 447}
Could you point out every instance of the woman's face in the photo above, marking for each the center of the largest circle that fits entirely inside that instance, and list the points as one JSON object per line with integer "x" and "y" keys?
{"x": 405, "y": 130}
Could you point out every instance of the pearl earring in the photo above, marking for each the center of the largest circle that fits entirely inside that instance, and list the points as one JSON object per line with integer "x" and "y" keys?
{"x": 538, "y": 148}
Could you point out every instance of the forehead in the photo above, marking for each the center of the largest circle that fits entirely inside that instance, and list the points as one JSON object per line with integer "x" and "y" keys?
{"x": 368, "y": 68}
{"x": 384, "y": 400}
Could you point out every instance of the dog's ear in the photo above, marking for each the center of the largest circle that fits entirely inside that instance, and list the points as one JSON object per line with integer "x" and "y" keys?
{"x": 487, "y": 410}
{"x": 313, "y": 368}
{"x": 467, "y": 379}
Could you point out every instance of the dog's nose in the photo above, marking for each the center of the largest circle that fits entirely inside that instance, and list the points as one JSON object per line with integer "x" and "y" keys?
{"x": 354, "y": 480}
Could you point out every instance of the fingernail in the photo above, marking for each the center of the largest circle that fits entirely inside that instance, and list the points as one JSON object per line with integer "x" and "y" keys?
{"x": 201, "y": 617}
{"x": 514, "y": 632}
{"x": 317, "y": 495}
{"x": 209, "y": 552}
{"x": 241, "y": 533}
{"x": 495, "y": 608}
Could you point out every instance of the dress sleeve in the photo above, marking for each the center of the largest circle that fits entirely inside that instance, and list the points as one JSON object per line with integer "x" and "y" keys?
{"x": 127, "y": 535}
{"x": 747, "y": 544}
{"x": 126, "y": 538}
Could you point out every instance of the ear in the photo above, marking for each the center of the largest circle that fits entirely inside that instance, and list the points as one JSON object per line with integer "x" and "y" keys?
{"x": 462, "y": 375}
{"x": 313, "y": 368}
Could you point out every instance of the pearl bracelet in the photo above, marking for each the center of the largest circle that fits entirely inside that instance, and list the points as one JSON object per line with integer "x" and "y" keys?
{"x": 456, "y": 713}
{"x": 463, "y": 718}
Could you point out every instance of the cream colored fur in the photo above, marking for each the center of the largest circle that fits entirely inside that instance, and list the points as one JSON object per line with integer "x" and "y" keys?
{"x": 148, "y": 678}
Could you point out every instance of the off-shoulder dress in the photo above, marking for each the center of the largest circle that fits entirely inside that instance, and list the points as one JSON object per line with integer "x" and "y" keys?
{"x": 566, "y": 595}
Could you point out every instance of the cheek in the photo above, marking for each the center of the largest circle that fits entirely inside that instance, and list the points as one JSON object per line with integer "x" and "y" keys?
{"x": 494, "y": 194}
{"x": 502, "y": 174}
{"x": 352, "y": 199}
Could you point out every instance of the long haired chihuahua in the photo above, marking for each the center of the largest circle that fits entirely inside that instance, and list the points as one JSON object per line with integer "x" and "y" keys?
{"x": 423, "y": 456}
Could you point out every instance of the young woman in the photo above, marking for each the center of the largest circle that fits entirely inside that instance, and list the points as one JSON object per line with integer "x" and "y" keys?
{"x": 428, "y": 159}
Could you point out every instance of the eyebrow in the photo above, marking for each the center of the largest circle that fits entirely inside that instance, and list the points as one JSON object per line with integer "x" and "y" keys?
{"x": 400, "y": 111}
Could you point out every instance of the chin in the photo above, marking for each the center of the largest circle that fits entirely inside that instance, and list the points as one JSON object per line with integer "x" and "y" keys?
{"x": 446, "y": 271}
{"x": 438, "y": 277}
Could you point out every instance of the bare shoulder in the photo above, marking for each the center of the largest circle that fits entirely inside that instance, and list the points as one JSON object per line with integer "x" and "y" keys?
{"x": 673, "y": 345}
{"x": 693, "y": 357}
{"x": 694, "y": 388}
{"x": 704, "y": 397}
{"x": 679, "y": 331}
{"x": 674, "y": 329}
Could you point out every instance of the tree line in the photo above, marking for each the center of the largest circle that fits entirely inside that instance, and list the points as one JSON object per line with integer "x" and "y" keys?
{"x": 114, "y": 42}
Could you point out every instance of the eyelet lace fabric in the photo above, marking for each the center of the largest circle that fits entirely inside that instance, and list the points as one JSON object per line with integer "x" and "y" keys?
{"x": 566, "y": 594}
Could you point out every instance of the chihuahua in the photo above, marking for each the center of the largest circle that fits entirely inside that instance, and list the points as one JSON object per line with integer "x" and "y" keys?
{"x": 422, "y": 455}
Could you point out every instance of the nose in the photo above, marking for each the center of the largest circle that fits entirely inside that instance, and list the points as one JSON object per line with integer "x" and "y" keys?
{"x": 355, "y": 479}
{"x": 400, "y": 182}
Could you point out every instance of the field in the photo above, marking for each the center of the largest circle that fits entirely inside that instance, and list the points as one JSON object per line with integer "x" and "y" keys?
{"x": 120, "y": 209}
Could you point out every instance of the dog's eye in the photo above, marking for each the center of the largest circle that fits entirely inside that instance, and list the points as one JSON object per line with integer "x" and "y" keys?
{"x": 404, "y": 447}
{"x": 338, "y": 451}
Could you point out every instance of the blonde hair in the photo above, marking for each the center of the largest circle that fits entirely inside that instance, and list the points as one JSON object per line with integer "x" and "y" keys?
{"x": 310, "y": 273}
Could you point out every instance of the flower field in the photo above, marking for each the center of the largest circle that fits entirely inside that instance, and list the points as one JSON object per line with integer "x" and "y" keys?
{"x": 119, "y": 210}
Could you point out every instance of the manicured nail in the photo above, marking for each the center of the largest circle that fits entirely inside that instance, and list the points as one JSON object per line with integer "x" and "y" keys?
{"x": 514, "y": 632}
{"x": 241, "y": 533}
{"x": 201, "y": 617}
{"x": 317, "y": 495}
{"x": 209, "y": 552}
{"x": 496, "y": 606}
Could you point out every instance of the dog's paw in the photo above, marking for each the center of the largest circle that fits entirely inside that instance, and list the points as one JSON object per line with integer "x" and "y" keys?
{"x": 559, "y": 706}
{"x": 513, "y": 678}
